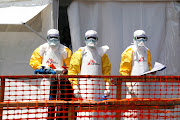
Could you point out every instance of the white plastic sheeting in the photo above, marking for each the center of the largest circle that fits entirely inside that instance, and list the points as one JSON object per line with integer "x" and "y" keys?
{"x": 19, "y": 15}
{"x": 115, "y": 23}
{"x": 18, "y": 42}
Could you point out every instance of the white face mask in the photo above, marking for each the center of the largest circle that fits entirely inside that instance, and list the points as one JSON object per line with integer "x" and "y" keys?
{"x": 53, "y": 42}
{"x": 91, "y": 42}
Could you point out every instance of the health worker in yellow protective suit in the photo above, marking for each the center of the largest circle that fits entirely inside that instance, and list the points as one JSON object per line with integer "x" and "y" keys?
{"x": 135, "y": 60}
{"x": 57, "y": 54}
{"x": 90, "y": 60}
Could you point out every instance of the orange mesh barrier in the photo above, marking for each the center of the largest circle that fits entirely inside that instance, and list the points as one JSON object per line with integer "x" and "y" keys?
{"x": 51, "y": 97}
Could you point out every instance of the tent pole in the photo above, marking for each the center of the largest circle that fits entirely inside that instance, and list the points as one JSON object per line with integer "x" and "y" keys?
{"x": 34, "y": 31}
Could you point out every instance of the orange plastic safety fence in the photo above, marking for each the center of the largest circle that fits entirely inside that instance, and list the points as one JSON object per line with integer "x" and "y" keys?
{"x": 52, "y": 97}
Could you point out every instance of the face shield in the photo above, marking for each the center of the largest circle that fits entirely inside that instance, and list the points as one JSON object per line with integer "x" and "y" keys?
{"x": 53, "y": 40}
{"x": 140, "y": 41}
{"x": 91, "y": 42}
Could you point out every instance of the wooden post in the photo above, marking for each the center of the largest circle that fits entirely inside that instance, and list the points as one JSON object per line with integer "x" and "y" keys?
{"x": 2, "y": 96}
{"x": 71, "y": 112}
{"x": 118, "y": 96}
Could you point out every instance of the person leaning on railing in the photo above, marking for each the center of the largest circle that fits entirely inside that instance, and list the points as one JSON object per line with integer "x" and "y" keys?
{"x": 52, "y": 56}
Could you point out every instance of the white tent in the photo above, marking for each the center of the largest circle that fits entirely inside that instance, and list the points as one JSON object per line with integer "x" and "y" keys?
{"x": 21, "y": 21}
{"x": 116, "y": 20}
{"x": 23, "y": 27}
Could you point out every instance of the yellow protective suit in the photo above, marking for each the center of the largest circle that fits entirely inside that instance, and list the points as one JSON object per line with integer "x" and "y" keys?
{"x": 134, "y": 89}
{"x": 87, "y": 61}
{"x": 126, "y": 61}
{"x": 75, "y": 66}
{"x": 37, "y": 57}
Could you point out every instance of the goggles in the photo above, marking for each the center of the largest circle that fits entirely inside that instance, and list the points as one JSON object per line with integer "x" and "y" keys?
{"x": 53, "y": 39}
{"x": 53, "y": 36}
{"x": 95, "y": 38}
{"x": 144, "y": 39}
{"x": 91, "y": 40}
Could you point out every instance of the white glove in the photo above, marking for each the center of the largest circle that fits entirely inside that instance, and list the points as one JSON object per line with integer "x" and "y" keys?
{"x": 130, "y": 86}
{"x": 58, "y": 71}
{"x": 77, "y": 93}
{"x": 107, "y": 92}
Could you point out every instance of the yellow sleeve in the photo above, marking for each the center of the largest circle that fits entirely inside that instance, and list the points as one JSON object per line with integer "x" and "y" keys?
{"x": 36, "y": 59}
{"x": 126, "y": 62}
{"x": 106, "y": 67}
{"x": 149, "y": 59}
{"x": 75, "y": 66}
{"x": 68, "y": 58}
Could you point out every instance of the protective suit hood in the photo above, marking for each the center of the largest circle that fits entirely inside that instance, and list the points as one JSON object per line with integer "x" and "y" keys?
{"x": 91, "y": 38}
{"x": 91, "y": 33}
{"x": 139, "y": 39}
{"x": 53, "y": 37}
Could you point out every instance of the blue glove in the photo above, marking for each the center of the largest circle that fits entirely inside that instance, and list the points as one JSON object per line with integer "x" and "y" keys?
{"x": 104, "y": 98}
{"x": 39, "y": 71}
{"x": 50, "y": 71}
{"x": 42, "y": 70}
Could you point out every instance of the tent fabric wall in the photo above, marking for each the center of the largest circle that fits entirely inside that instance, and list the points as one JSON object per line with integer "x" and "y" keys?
{"x": 55, "y": 13}
{"x": 12, "y": 19}
{"x": 115, "y": 23}
{"x": 126, "y": 0}
{"x": 19, "y": 15}
{"x": 16, "y": 48}
{"x": 17, "y": 45}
